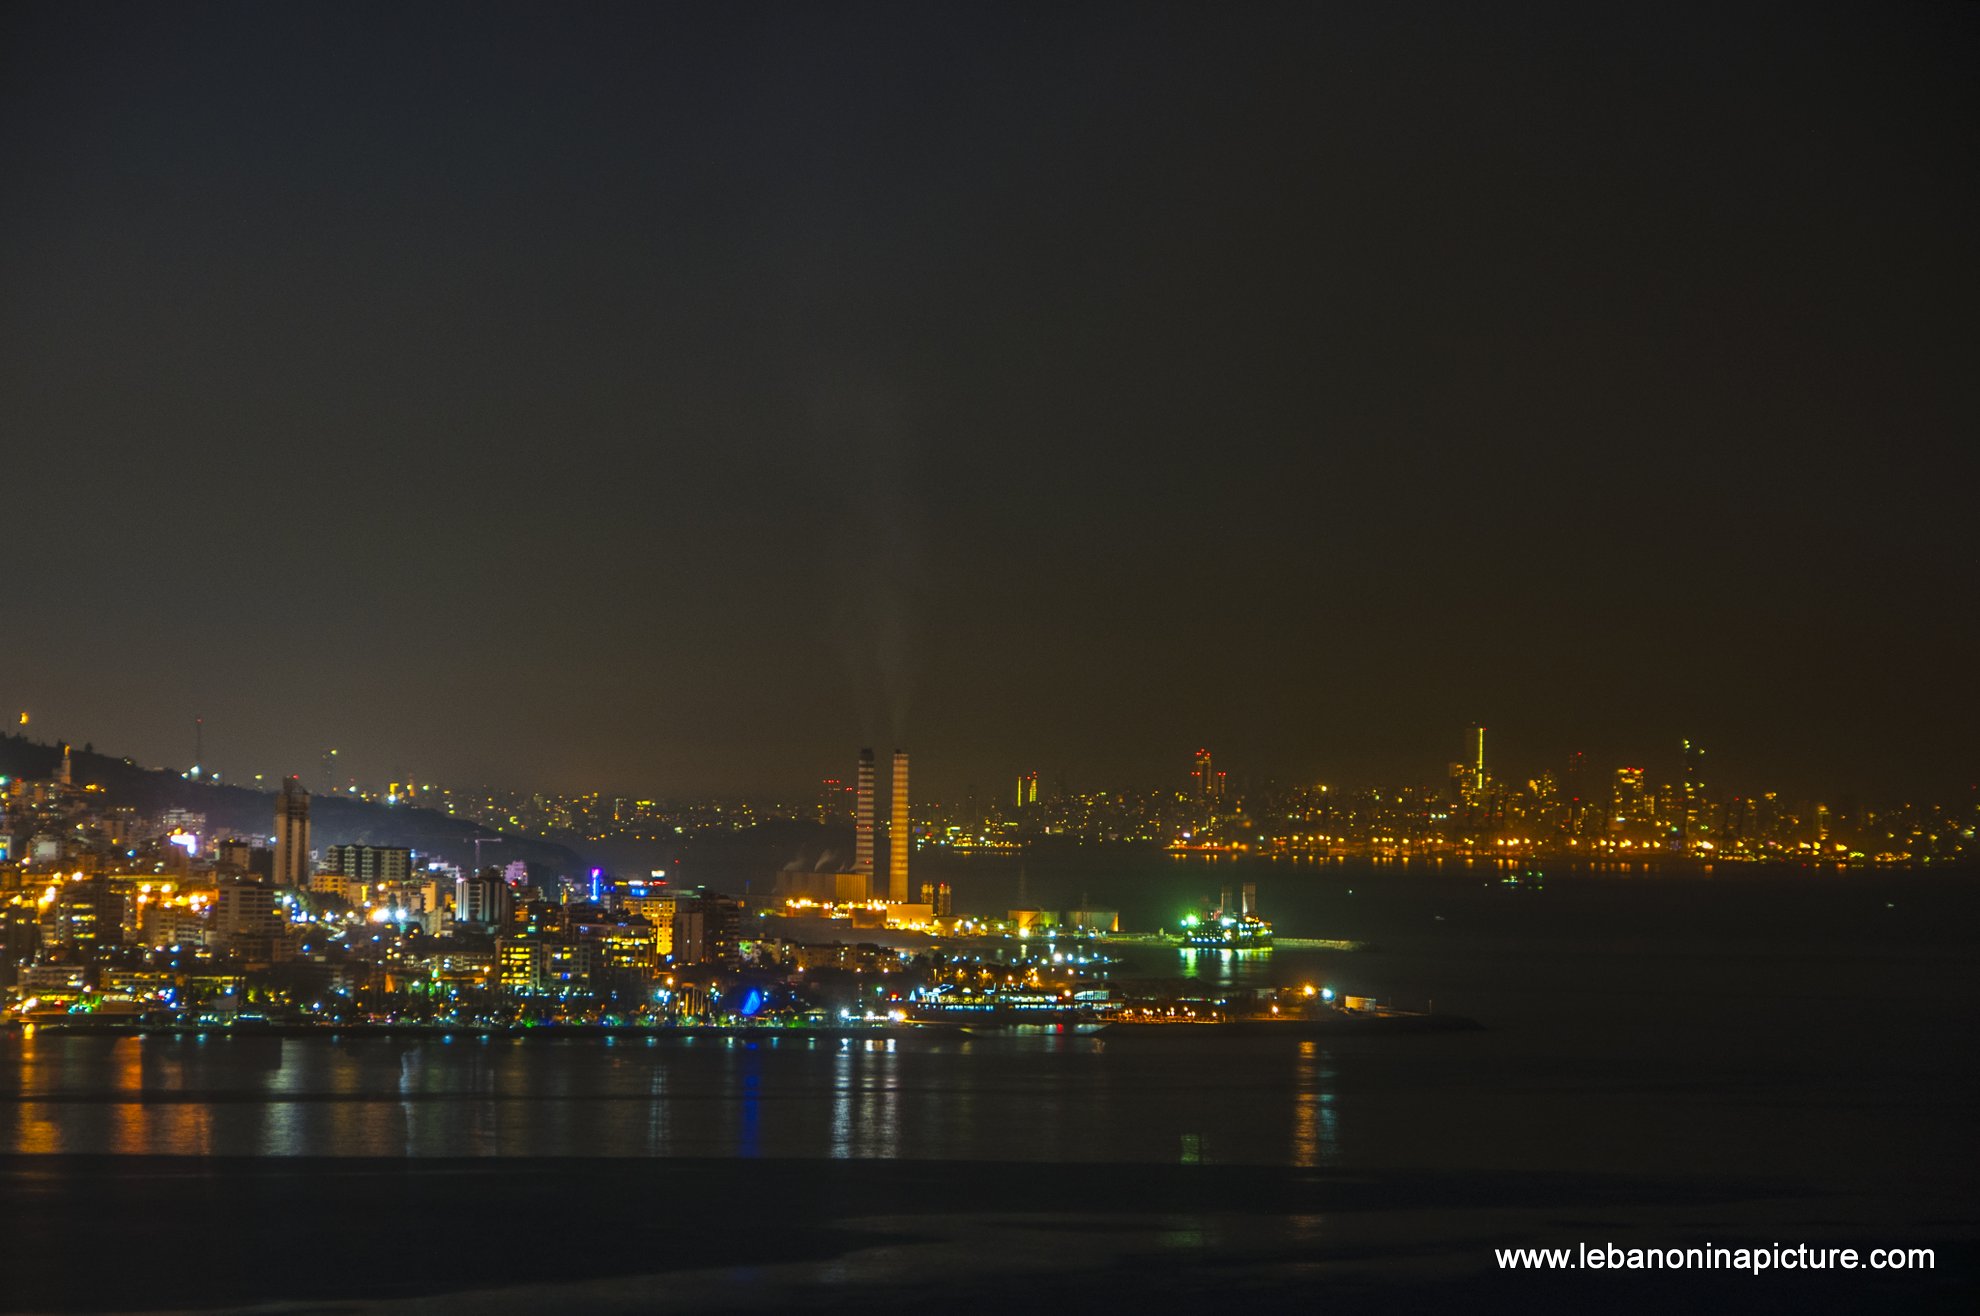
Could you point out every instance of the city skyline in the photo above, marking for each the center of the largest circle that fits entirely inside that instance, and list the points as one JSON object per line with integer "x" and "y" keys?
{"x": 1127, "y": 655}
{"x": 1687, "y": 766}
{"x": 683, "y": 410}
{"x": 1893, "y": 766}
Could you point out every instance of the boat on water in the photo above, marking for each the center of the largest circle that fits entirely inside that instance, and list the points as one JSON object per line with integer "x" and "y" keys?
{"x": 1230, "y": 926}
{"x": 1227, "y": 932}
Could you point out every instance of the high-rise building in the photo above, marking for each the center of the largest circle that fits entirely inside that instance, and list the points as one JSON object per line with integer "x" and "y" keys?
{"x": 863, "y": 816}
{"x": 292, "y": 834}
{"x": 899, "y": 833}
{"x": 370, "y": 865}
{"x": 653, "y": 902}
{"x": 1547, "y": 796}
{"x": 1478, "y": 778}
{"x": 831, "y": 804}
{"x": 1630, "y": 804}
{"x": 1203, "y": 779}
{"x": 707, "y": 928}
{"x": 1027, "y": 790}
{"x": 483, "y": 901}
{"x": 244, "y": 911}
{"x": 1579, "y": 788}
{"x": 1692, "y": 792}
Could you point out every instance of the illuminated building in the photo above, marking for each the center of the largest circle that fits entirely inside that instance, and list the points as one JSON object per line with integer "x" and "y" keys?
{"x": 1208, "y": 783}
{"x": 173, "y": 925}
{"x": 652, "y": 901}
{"x": 292, "y": 834}
{"x": 85, "y": 915}
{"x": 899, "y": 833}
{"x": 901, "y": 914}
{"x": 1543, "y": 806}
{"x": 863, "y": 816}
{"x": 369, "y": 865}
{"x": 1692, "y": 792}
{"x": 821, "y": 886}
{"x": 1027, "y": 790}
{"x": 330, "y": 882}
{"x": 482, "y": 901}
{"x": 567, "y": 964}
{"x": 183, "y": 820}
{"x": 1478, "y": 778}
{"x": 632, "y": 946}
{"x": 831, "y": 801}
{"x": 53, "y": 978}
{"x": 1629, "y": 799}
{"x": 519, "y": 962}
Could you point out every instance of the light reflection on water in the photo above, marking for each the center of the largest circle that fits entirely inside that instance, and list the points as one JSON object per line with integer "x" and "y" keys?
{"x": 865, "y": 1099}
{"x": 842, "y": 1099}
{"x": 1586, "y": 1034}
{"x": 1036, "y": 1098}
{"x": 1316, "y": 1132}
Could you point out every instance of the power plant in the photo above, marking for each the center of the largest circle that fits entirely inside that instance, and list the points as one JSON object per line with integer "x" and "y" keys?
{"x": 899, "y": 833}
{"x": 863, "y": 818}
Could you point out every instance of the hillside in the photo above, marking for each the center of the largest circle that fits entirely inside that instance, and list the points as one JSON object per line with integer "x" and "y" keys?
{"x": 236, "y": 810}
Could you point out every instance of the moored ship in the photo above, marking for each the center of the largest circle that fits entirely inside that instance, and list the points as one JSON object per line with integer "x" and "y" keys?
{"x": 1230, "y": 927}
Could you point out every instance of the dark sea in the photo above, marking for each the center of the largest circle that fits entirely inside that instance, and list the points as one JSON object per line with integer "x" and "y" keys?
{"x": 1669, "y": 1058}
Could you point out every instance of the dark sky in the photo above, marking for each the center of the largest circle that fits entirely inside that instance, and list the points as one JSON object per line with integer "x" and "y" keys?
{"x": 675, "y": 398}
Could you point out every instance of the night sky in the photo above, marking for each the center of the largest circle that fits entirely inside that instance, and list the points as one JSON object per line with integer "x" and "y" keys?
{"x": 676, "y": 398}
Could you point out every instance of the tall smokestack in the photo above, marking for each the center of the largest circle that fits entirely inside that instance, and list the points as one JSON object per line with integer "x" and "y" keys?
{"x": 863, "y": 820}
{"x": 1250, "y": 898}
{"x": 897, "y": 833}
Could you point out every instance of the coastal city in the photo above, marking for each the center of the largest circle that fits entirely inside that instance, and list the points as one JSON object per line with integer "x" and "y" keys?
{"x": 678, "y": 659}
{"x": 119, "y": 916}
{"x": 1576, "y": 809}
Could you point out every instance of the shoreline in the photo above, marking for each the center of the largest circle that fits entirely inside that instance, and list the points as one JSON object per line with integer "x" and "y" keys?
{"x": 891, "y": 1032}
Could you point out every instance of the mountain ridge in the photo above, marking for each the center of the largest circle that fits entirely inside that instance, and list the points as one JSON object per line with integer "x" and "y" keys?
{"x": 245, "y": 811}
